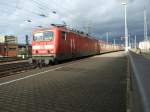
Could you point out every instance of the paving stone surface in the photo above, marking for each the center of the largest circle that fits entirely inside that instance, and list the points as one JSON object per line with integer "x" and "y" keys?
{"x": 96, "y": 84}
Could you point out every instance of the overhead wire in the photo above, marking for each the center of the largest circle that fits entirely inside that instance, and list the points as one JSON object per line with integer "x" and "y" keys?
{"x": 8, "y": 11}
{"x": 65, "y": 9}
{"x": 58, "y": 6}
{"x": 30, "y": 11}
{"x": 55, "y": 5}
{"x": 17, "y": 7}
{"x": 42, "y": 6}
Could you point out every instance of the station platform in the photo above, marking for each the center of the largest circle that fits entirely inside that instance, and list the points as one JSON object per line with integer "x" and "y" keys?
{"x": 94, "y": 84}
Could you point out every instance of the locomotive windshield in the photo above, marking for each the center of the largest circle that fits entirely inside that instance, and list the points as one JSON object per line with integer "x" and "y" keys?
{"x": 48, "y": 35}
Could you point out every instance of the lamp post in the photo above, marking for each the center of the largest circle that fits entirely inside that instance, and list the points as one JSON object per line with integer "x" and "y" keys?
{"x": 129, "y": 40}
{"x": 135, "y": 41}
{"x": 126, "y": 29}
{"x": 114, "y": 42}
{"x": 27, "y": 46}
{"x": 107, "y": 34}
{"x": 145, "y": 26}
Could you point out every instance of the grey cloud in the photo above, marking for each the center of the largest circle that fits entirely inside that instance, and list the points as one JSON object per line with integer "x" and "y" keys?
{"x": 102, "y": 15}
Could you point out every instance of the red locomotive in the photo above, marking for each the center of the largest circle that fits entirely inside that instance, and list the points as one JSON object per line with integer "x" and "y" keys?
{"x": 60, "y": 43}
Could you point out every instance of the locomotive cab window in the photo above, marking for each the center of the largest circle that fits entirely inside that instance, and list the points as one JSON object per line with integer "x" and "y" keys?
{"x": 38, "y": 37}
{"x": 48, "y": 35}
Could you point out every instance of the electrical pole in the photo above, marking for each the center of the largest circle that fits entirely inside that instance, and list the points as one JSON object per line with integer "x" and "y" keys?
{"x": 114, "y": 42}
{"x": 107, "y": 34}
{"x": 129, "y": 40}
{"x": 145, "y": 29}
{"x": 145, "y": 26}
{"x": 135, "y": 41}
{"x": 126, "y": 29}
{"x": 27, "y": 46}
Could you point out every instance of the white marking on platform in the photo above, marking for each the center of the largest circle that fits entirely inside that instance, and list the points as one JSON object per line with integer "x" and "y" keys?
{"x": 8, "y": 82}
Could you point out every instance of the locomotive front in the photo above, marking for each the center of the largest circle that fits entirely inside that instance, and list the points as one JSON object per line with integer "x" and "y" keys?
{"x": 43, "y": 47}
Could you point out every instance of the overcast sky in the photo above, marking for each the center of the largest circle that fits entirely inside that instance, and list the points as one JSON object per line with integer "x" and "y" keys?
{"x": 101, "y": 15}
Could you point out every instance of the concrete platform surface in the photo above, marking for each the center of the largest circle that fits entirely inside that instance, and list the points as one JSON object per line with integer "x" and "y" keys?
{"x": 95, "y": 84}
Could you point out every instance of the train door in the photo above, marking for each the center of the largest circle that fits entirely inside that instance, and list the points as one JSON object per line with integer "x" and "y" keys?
{"x": 63, "y": 45}
{"x": 72, "y": 47}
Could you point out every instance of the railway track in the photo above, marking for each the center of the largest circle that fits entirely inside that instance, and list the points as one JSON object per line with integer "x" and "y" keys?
{"x": 10, "y": 69}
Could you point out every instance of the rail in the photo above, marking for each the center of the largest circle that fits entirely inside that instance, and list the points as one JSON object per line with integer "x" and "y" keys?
{"x": 139, "y": 83}
{"x": 10, "y": 69}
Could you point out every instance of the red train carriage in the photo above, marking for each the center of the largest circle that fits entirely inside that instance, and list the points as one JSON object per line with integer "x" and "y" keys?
{"x": 109, "y": 47}
{"x": 60, "y": 43}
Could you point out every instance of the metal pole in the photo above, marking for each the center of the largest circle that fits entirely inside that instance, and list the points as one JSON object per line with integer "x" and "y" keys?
{"x": 135, "y": 42}
{"x": 27, "y": 46}
{"x": 126, "y": 29}
{"x": 129, "y": 40}
{"x": 132, "y": 43}
{"x": 145, "y": 30}
{"x": 107, "y": 37}
{"x": 114, "y": 42}
{"x": 145, "y": 26}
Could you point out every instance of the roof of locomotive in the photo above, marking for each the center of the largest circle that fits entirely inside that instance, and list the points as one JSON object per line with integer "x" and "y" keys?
{"x": 66, "y": 29}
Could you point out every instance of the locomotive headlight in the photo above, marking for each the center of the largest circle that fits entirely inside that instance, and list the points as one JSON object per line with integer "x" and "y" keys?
{"x": 52, "y": 51}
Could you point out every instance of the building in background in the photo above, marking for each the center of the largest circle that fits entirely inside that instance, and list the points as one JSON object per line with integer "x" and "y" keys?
{"x": 8, "y": 46}
{"x": 144, "y": 46}
{"x": 8, "y": 39}
{"x": 8, "y": 50}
